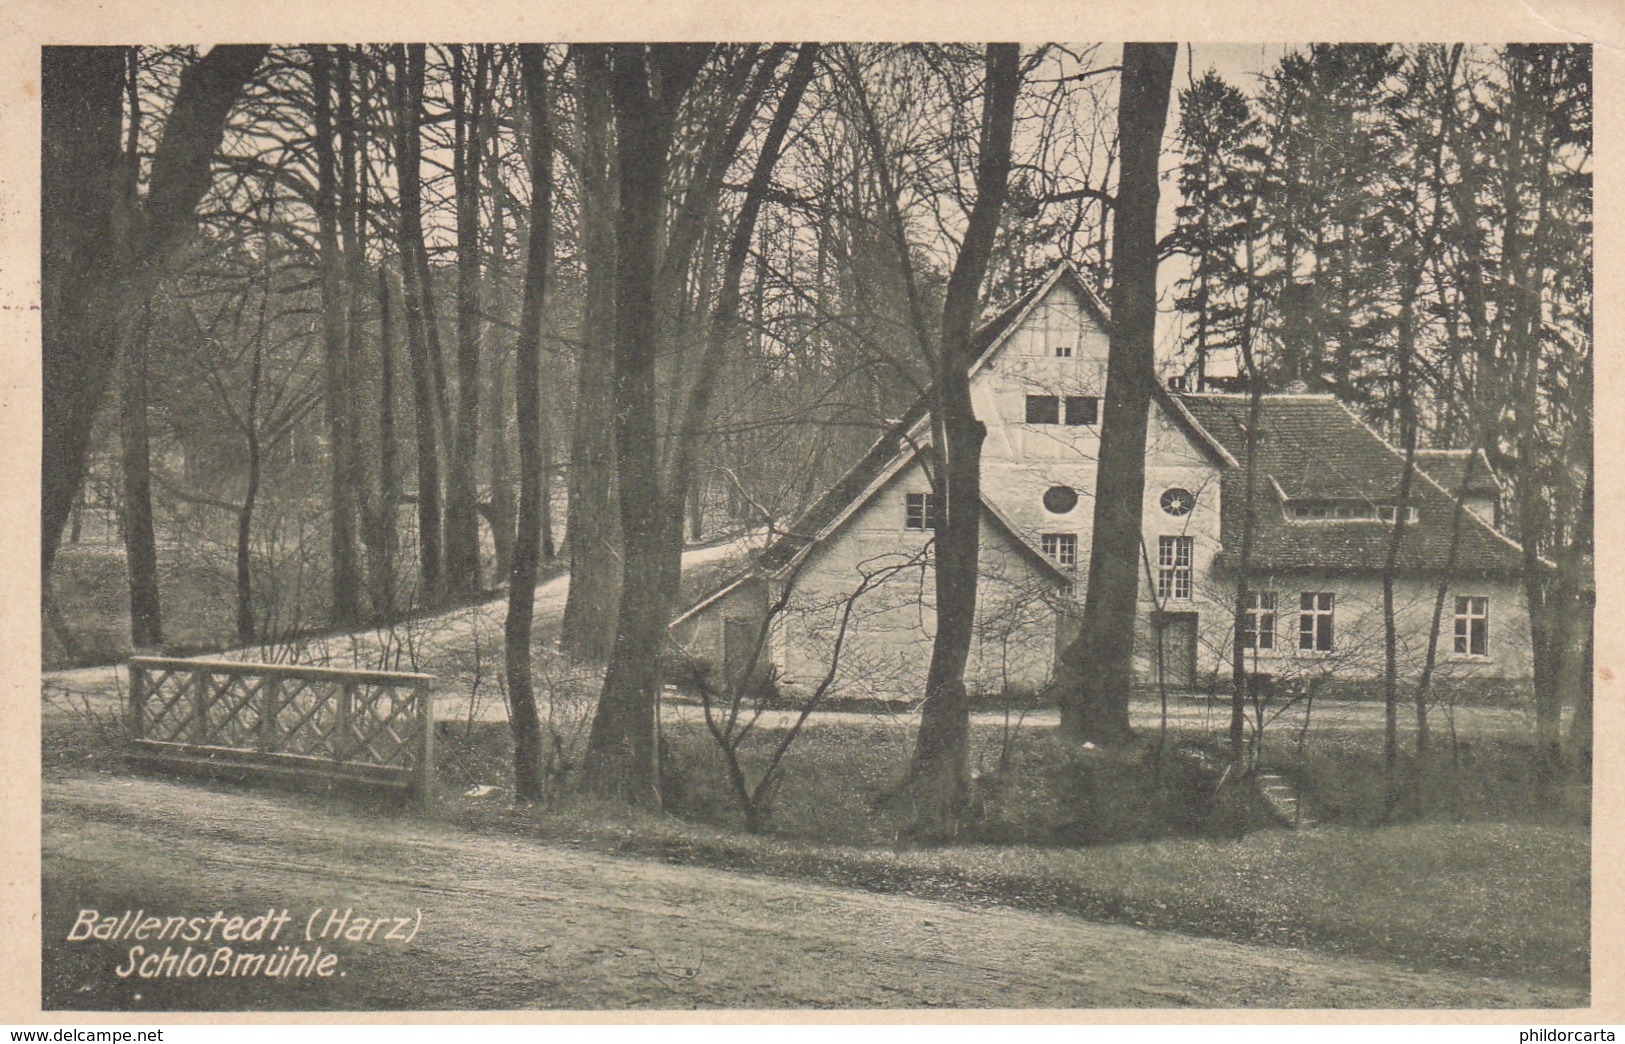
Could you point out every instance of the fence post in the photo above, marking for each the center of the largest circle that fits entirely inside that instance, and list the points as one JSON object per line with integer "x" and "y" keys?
{"x": 423, "y": 696}
{"x": 135, "y": 717}
{"x": 270, "y": 708}
{"x": 343, "y": 731}
{"x": 200, "y": 706}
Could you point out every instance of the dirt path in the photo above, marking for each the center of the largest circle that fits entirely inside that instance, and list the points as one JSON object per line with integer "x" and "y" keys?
{"x": 511, "y": 924}
{"x": 431, "y": 641}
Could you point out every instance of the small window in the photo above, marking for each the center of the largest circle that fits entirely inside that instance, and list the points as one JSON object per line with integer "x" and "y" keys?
{"x": 1062, "y": 547}
{"x": 1473, "y": 626}
{"x": 1058, "y": 327}
{"x": 1058, "y": 500}
{"x": 1315, "y": 621}
{"x": 1082, "y": 409}
{"x": 1043, "y": 409}
{"x": 921, "y": 512}
{"x": 1177, "y": 502}
{"x": 1388, "y": 512}
{"x": 1174, "y": 567}
{"x": 1258, "y": 622}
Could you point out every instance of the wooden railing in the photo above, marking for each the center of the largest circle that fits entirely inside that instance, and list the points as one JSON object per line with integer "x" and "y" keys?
{"x": 374, "y": 727}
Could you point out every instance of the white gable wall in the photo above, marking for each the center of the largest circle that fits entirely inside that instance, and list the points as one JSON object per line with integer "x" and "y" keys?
{"x": 887, "y": 649}
{"x": 1020, "y": 461}
{"x": 889, "y": 645}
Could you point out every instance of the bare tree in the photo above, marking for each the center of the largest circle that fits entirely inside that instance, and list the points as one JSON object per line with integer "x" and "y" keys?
{"x": 336, "y": 298}
{"x": 99, "y": 260}
{"x": 522, "y": 715}
{"x": 470, "y": 100}
{"x": 593, "y": 524}
{"x": 940, "y": 771}
{"x": 646, "y": 86}
{"x": 140, "y": 538}
{"x": 1097, "y": 668}
{"x": 422, "y": 333}
{"x": 735, "y": 702}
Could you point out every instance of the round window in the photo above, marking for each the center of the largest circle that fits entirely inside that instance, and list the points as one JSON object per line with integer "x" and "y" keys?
{"x": 1178, "y": 502}
{"x": 1058, "y": 500}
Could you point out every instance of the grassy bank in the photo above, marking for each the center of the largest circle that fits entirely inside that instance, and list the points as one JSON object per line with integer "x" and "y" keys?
{"x": 1483, "y": 877}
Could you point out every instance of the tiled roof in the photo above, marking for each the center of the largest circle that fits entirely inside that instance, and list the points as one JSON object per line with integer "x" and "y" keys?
{"x": 1311, "y": 447}
{"x": 1450, "y": 466}
{"x": 826, "y": 508}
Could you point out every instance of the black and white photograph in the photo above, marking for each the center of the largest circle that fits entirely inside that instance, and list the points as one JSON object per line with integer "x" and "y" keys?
{"x": 801, "y": 526}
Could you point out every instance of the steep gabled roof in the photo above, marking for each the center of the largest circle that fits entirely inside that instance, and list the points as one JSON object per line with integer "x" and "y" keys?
{"x": 1313, "y": 448}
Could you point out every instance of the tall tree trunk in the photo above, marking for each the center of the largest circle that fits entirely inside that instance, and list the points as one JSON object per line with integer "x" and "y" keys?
{"x": 386, "y": 534}
{"x": 940, "y": 771}
{"x": 1523, "y": 268}
{"x": 720, "y": 329}
{"x": 140, "y": 538}
{"x": 1581, "y": 610}
{"x": 1417, "y": 256}
{"x": 622, "y": 759}
{"x": 502, "y": 509}
{"x": 1097, "y": 669}
{"x": 246, "y": 631}
{"x": 367, "y": 484}
{"x": 1239, "y": 679}
{"x": 96, "y": 266}
{"x": 522, "y": 716}
{"x": 684, "y": 302}
{"x": 423, "y": 341}
{"x": 1430, "y": 658}
{"x": 1390, "y": 572}
{"x": 593, "y": 527}
{"x": 346, "y": 565}
{"x": 462, "y": 495}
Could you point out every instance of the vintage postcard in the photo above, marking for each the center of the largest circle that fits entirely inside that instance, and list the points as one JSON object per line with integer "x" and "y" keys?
{"x": 764, "y": 512}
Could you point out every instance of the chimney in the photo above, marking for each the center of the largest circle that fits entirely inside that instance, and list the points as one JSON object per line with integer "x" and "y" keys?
{"x": 1297, "y": 388}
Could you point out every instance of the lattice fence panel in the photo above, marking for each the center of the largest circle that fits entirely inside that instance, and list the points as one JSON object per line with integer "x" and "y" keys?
{"x": 169, "y": 707}
{"x": 376, "y": 723}
{"x": 383, "y": 729}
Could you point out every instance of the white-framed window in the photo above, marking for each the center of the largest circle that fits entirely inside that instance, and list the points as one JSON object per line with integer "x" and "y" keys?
{"x": 1473, "y": 626}
{"x": 1258, "y": 621}
{"x": 1061, "y": 547}
{"x": 921, "y": 511}
{"x": 1174, "y": 567}
{"x": 1388, "y": 512}
{"x": 1315, "y": 621}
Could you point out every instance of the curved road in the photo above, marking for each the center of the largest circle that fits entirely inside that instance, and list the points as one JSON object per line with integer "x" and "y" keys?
{"x": 508, "y": 923}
